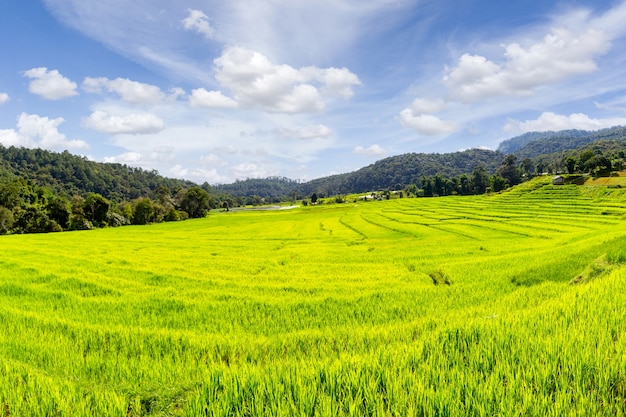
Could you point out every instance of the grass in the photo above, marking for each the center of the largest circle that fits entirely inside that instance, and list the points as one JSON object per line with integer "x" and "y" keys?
{"x": 326, "y": 310}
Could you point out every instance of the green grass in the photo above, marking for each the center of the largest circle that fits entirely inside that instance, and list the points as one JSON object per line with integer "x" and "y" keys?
{"x": 508, "y": 305}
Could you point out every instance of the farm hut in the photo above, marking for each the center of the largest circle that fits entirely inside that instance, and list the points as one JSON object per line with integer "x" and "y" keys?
{"x": 558, "y": 180}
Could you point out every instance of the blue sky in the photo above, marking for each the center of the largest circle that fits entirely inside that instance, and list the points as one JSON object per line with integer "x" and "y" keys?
{"x": 214, "y": 91}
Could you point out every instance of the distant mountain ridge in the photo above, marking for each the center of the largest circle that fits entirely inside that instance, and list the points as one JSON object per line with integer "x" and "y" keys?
{"x": 70, "y": 175}
{"x": 395, "y": 172}
{"x": 534, "y": 144}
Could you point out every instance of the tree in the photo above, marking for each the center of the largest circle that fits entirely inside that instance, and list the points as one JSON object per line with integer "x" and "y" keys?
{"x": 6, "y": 220}
{"x": 498, "y": 183}
{"x": 570, "y": 164}
{"x": 527, "y": 166}
{"x": 313, "y": 198}
{"x": 508, "y": 170}
{"x": 195, "y": 201}
{"x": 479, "y": 180}
{"x": 96, "y": 208}
{"x": 143, "y": 211}
{"x": 34, "y": 220}
{"x": 59, "y": 210}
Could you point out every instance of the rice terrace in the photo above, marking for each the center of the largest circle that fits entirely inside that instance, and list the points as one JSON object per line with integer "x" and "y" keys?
{"x": 507, "y": 304}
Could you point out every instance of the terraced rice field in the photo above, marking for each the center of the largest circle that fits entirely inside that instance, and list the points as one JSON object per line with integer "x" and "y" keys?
{"x": 509, "y": 305}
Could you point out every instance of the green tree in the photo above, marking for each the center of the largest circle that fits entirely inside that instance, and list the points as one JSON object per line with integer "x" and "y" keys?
{"x": 195, "y": 201}
{"x": 498, "y": 183}
{"x": 509, "y": 171}
{"x": 34, "y": 219}
{"x": 570, "y": 164}
{"x": 527, "y": 167}
{"x": 479, "y": 180}
{"x": 6, "y": 220}
{"x": 95, "y": 208}
{"x": 59, "y": 210}
{"x": 143, "y": 211}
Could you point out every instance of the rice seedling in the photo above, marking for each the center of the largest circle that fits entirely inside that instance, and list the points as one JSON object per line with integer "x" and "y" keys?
{"x": 326, "y": 310}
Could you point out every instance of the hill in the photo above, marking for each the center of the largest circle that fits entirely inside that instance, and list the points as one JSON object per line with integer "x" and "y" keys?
{"x": 534, "y": 144}
{"x": 395, "y": 172}
{"x": 70, "y": 175}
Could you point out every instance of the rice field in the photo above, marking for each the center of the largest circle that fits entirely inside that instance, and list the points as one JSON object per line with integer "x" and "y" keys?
{"x": 502, "y": 305}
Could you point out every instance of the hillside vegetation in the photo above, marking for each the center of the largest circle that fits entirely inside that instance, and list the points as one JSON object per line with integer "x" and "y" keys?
{"x": 509, "y": 304}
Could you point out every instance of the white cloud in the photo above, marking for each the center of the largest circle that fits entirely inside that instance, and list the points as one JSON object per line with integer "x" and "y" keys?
{"x": 198, "y": 22}
{"x": 130, "y": 158}
{"x": 130, "y": 91}
{"x": 310, "y": 132}
{"x": 549, "y": 121}
{"x": 42, "y": 132}
{"x": 558, "y": 56}
{"x": 210, "y": 99}
{"x": 427, "y": 124}
{"x": 50, "y": 85}
{"x": 136, "y": 123}
{"x": 9, "y": 137}
{"x": 257, "y": 82}
{"x": 253, "y": 170}
{"x": 372, "y": 151}
{"x": 4, "y": 97}
{"x": 213, "y": 160}
{"x": 427, "y": 105}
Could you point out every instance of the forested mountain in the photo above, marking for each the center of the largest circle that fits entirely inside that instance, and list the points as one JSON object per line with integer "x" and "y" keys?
{"x": 70, "y": 175}
{"x": 267, "y": 188}
{"x": 397, "y": 172}
{"x": 613, "y": 150}
{"x": 534, "y": 144}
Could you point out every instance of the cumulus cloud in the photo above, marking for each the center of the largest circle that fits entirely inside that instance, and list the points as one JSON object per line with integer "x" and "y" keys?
{"x": 213, "y": 160}
{"x": 137, "y": 123}
{"x": 130, "y": 91}
{"x": 427, "y": 105}
{"x": 309, "y": 132}
{"x": 427, "y": 124}
{"x": 9, "y": 137}
{"x": 549, "y": 121}
{"x": 372, "y": 151}
{"x": 50, "y": 85}
{"x": 4, "y": 97}
{"x": 41, "y": 132}
{"x": 253, "y": 170}
{"x": 210, "y": 99}
{"x": 198, "y": 22}
{"x": 559, "y": 55}
{"x": 130, "y": 158}
{"x": 256, "y": 82}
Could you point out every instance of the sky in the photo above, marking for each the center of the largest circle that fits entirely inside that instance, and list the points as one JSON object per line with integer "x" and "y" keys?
{"x": 217, "y": 91}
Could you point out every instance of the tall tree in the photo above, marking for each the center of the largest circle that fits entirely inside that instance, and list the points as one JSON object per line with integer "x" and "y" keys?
{"x": 195, "y": 202}
{"x": 509, "y": 171}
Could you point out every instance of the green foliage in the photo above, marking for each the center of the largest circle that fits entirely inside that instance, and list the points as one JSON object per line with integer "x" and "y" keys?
{"x": 143, "y": 211}
{"x": 195, "y": 202}
{"x": 6, "y": 220}
{"x": 95, "y": 208}
{"x": 533, "y": 144}
{"x": 67, "y": 175}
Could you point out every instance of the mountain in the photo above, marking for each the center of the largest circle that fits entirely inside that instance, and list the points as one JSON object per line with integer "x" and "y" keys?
{"x": 534, "y": 144}
{"x": 395, "y": 172}
{"x": 69, "y": 174}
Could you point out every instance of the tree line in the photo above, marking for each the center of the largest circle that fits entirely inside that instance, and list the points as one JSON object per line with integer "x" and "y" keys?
{"x": 29, "y": 208}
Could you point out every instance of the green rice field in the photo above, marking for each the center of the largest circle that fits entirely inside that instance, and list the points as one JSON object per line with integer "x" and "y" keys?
{"x": 504, "y": 305}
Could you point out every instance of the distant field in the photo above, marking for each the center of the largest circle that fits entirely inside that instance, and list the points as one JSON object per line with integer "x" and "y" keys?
{"x": 508, "y": 305}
